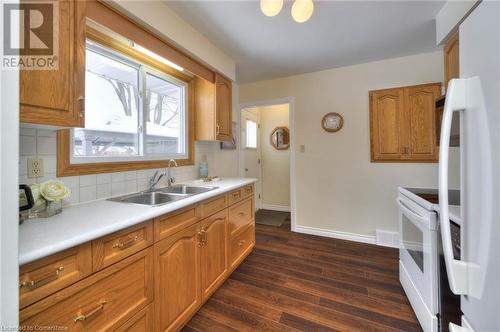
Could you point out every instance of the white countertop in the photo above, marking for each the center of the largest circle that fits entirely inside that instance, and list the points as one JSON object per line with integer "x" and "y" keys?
{"x": 81, "y": 223}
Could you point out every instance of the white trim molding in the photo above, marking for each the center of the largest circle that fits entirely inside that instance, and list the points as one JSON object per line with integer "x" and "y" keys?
{"x": 275, "y": 207}
{"x": 336, "y": 234}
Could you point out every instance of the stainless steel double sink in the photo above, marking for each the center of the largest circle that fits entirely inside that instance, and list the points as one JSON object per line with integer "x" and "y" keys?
{"x": 162, "y": 196}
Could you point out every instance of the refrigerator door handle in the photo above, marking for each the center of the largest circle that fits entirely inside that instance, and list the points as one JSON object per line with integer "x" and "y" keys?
{"x": 456, "y": 269}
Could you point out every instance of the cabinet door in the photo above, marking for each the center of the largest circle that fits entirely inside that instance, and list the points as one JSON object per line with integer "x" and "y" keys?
{"x": 223, "y": 108}
{"x": 420, "y": 114}
{"x": 386, "y": 107}
{"x": 451, "y": 60}
{"x": 213, "y": 252}
{"x": 55, "y": 97}
{"x": 177, "y": 279}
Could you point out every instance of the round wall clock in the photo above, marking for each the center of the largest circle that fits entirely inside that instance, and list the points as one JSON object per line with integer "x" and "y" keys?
{"x": 332, "y": 122}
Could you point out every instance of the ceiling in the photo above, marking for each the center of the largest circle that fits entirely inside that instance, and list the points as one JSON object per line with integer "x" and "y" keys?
{"x": 339, "y": 33}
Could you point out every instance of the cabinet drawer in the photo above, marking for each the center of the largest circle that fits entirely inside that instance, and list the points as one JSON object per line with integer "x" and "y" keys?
{"x": 50, "y": 274}
{"x": 213, "y": 205}
{"x": 242, "y": 244}
{"x": 234, "y": 196}
{"x": 114, "y": 247}
{"x": 247, "y": 190}
{"x": 240, "y": 215}
{"x": 101, "y": 302}
{"x": 172, "y": 223}
{"x": 141, "y": 322}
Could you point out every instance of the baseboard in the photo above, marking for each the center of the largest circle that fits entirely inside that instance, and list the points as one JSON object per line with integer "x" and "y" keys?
{"x": 336, "y": 234}
{"x": 275, "y": 207}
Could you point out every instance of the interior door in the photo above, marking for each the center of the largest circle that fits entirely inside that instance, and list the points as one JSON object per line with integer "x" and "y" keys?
{"x": 252, "y": 155}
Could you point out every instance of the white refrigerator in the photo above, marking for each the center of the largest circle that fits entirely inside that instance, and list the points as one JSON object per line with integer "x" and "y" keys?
{"x": 476, "y": 95}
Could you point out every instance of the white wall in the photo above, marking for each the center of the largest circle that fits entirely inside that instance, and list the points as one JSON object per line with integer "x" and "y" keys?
{"x": 275, "y": 163}
{"x": 450, "y": 16}
{"x": 337, "y": 187}
{"x": 159, "y": 18}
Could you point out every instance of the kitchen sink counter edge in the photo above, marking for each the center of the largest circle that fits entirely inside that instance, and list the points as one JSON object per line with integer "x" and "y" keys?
{"x": 85, "y": 222}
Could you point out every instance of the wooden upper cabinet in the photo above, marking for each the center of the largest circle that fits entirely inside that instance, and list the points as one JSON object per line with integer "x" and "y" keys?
{"x": 177, "y": 278}
{"x": 213, "y": 102}
{"x": 451, "y": 60}
{"x": 223, "y": 100}
{"x": 386, "y": 111}
{"x": 56, "y": 97}
{"x": 402, "y": 123}
{"x": 420, "y": 112}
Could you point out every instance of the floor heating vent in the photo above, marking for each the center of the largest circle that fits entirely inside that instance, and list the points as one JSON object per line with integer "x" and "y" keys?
{"x": 387, "y": 238}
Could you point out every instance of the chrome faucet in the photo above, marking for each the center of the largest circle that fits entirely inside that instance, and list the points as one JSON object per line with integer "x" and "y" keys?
{"x": 153, "y": 181}
{"x": 170, "y": 178}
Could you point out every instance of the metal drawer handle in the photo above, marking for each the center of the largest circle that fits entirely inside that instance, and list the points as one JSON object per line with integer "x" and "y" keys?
{"x": 203, "y": 234}
{"x": 241, "y": 214}
{"x": 236, "y": 195}
{"x": 241, "y": 242}
{"x": 82, "y": 317}
{"x": 51, "y": 276}
{"x": 127, "y": 243}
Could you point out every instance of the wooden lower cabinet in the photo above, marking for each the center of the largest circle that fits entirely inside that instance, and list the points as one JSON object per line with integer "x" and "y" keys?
{"x": 241, "y": 245}
{"x": 177, "y": 279}
{"x": 142, "y": 280}
{"x": 214, "y": 253}
{"x": 50, "y": 274}
{"x": 140, "y": 322}
{"x": 101, "y": 302}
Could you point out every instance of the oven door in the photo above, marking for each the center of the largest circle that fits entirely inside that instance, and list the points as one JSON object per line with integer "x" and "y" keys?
{"x": 418, "y": 249}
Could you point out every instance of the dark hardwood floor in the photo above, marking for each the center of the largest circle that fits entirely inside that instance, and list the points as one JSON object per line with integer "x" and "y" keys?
{"x": 297, "y": 282}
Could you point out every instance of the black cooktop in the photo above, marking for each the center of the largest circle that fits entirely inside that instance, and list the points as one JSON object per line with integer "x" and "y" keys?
{"x": 432, "y": 195}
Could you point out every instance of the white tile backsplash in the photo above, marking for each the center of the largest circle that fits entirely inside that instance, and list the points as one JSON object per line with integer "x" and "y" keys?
{"x": 88, "y": 193}
{"x": 88, "y": 180}
{"x": 50, "y": 163}
{"x": 103, "y": 190}
{"x": 117, "y": 177}
{"x": 103, "y": 178}
{"x": 27, "y": 145}
{"x": 118, "y": 188}
{"x": 42, "y": 143}
{"x": 46, "y": 145}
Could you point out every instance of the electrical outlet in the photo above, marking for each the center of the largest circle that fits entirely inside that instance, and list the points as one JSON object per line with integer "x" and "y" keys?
{"x": 35, "y": 168}
{"x": 302, "y": 148}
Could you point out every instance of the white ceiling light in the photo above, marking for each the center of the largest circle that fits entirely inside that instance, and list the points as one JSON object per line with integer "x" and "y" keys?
{"x": 271, "y": 7}
{"x": 302, "y": 10}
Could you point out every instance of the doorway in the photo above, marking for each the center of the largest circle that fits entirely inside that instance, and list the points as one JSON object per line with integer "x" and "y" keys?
{"x": 266, "y": 155}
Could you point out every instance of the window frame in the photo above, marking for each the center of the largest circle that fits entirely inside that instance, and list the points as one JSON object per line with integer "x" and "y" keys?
{"x": 66, "y": 166}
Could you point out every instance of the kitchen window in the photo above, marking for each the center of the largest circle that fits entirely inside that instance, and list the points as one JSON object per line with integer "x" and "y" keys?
{"x": 132, "y": 111}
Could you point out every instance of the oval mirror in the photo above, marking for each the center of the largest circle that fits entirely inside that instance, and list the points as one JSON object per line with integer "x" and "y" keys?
{"x": 280, "y": 138}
